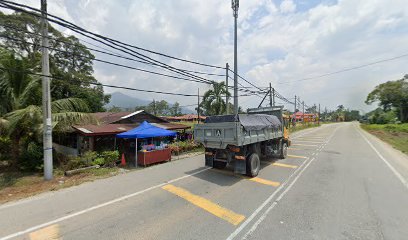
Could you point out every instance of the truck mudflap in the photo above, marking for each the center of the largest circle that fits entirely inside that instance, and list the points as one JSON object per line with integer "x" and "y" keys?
{"x": 209, "y": 159}
{"x": 240, "y": 166}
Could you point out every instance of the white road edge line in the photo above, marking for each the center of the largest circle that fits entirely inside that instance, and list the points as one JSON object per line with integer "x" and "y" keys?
{"x": 97, "y": 206}
{"x": 253, "y": 215}
{"x": 269, "y": 199}
{"x": 396, "y": 173}
{"x": 263, "y": 216}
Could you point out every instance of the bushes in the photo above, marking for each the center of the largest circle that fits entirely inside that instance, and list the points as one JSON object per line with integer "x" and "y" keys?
{"x": 106, "y": 159}
{"x": 110, "y": 157}
{"x": 5, "y": 145}
{"x": 379, "y": 116}
{"x": 183, "y": 146}
{"x": 31, "y": 158}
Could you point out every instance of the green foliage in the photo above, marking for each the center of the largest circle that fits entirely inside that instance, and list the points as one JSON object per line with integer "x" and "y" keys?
{"x": 183, "y": 146}
{"x": 394, "y": 134}
{"x": 106, "y": 158}
{"x": 17, "y": 88}
{"x": 379, "y": 116}
{"x": 351, "y": 115}
{"x": 213, "y": 101}
{"x": 74, "y": 163}
{"x": 88, "y": 157}
{"x": 32, "y": 158}
{"x": 69, "y": 59}
{"x": 175, "y": 109}
{"x": 392, "y": 95}
{"x": 99, "y": 161}
{"x": 110, "y": 157}
{"x": 5, "y": 145}
{"x": 387, "y": 127}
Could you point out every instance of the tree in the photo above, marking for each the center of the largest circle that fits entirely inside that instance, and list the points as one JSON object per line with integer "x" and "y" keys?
{"x": 213, "y": 100}
{"x": 392, "y": 95}
{"x": 26, "y": 123}
{"x": 71, "y": 63}
{"x": 340, "y": 108}
{"x": 175, "y": 109}
{"x": 17, "y": 88}
{"x": 351, "y": 115}
{"x": 20, "y": 106}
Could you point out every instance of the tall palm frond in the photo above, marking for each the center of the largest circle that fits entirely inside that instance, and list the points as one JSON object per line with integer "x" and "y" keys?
{"x": 69, "y": 105}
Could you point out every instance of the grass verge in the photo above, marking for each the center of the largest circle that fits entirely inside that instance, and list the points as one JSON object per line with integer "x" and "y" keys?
{"x": 394, "y": 134}
{"x": 17, "y": 185}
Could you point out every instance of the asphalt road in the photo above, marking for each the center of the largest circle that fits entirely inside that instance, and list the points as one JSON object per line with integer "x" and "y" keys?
{"x": 337, "y": 183}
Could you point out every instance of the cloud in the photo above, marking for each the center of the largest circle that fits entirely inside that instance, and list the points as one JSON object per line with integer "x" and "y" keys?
{"x": 287, "y": 6}
{"x": 280, "y": 44}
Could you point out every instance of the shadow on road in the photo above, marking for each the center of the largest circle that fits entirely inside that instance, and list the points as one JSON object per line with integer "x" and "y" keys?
{"x": 226, "y": 176}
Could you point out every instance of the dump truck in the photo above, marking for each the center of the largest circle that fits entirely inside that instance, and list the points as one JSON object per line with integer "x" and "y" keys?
{"x": 242, "y": 140}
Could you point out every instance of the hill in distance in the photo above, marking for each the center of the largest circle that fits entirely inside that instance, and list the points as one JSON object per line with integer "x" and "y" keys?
{"x": 124, "y": 101}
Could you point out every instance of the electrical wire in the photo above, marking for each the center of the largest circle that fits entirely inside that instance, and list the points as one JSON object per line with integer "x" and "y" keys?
{"x": 108, "y": 62}
{"x": 10, "y": 4}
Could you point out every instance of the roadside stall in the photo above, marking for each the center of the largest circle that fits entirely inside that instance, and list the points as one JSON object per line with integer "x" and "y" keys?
{"x": 150, "y": 149}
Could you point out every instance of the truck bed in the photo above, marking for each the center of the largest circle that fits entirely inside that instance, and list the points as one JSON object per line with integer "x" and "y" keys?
{"x": 238, "y": 130}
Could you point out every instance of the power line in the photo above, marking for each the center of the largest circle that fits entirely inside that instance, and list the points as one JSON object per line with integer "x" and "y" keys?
{"x": 8, "y": 3}
{"x": 110, "y": 53}
{"x": 100, "y": 84}
{"x": 111, "y": 63}
{"x": 156, "y": 63}
{"x": 106, "y": 85}
{"x": 347, "y": 69}
{"x": 84, "y": 32}
{"x": 246, "y": 80}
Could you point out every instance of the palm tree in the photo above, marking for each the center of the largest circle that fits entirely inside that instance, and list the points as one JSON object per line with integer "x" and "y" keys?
{"x": 17, "y": 88}
{"x": 213, "y": 100}
{"x": 20, "y": 107}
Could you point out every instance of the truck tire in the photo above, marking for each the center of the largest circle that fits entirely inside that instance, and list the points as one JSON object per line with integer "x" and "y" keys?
{"x": 283, "y": 153}
{"x": 219, "y": 164}
{"x": 253, "y": 165}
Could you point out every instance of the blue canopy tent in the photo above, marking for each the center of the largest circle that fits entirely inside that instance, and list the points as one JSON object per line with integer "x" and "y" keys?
{"x": 145, "y": 130}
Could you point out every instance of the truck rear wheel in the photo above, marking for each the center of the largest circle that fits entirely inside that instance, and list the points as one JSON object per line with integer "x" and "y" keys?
{"x": 283, "y": 153}
{"x": 253, "y": 165}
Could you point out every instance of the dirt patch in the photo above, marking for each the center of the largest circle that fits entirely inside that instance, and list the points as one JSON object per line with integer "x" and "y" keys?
{"x": 14, "y": 186}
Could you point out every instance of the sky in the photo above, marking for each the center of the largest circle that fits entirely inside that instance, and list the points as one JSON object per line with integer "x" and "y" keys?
{"x": 282, "y": 42}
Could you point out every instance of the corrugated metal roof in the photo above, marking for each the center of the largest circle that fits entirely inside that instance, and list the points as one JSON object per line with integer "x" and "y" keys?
{"x": 171, "y": 126}
{"x": 110, "y": 129}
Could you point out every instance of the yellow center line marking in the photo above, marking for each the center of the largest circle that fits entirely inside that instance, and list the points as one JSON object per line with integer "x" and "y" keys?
{"x": 284, "y": 165}
{"x": 50, "y": 232}
{"x": 264, "y": 181}
{"x": 307, "y": 145}
{"x": 205, "y": 204}
{"x": 296, "y": 156}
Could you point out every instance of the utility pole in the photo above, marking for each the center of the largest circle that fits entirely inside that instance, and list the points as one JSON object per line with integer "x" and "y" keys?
{"x": 270, "y": 94}
{"x": 273, "y": 96}
{"x": 303, "y": 112}
{"x": 154, "y": 107}
{"x": 314, "y": 112}
{"x": 226, "y": 81}
{"x": 318, "y": 117}
{"x": 295, "y": 105}
{"x": 46, "y": 98}
{"x": 235, "y": 6}
{"x": 198, "y": 105}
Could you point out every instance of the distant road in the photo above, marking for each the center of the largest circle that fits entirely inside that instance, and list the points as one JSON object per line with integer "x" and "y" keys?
{"x": 337, "y": 183}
